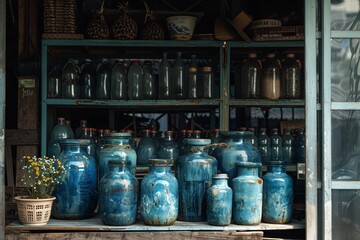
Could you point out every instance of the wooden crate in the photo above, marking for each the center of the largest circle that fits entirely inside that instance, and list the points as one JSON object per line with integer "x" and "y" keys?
{"x": 284, "y": 33}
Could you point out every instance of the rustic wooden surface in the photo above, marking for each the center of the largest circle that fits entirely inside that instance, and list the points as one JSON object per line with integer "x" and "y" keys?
{"x": 188, "y": 235}
{"x": 95, "y": 224}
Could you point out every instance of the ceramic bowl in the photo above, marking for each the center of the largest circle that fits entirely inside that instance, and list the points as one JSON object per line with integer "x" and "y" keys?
{"x": 181, "y": 27}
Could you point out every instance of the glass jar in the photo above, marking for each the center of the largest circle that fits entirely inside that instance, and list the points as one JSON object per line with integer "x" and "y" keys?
{"x": 276, "y": 145}
{"x": 149, "y": 85}
{"x": 250, "y": 77}
{"x": 271, "y": 78}
{"x": 159, "y": 194}
{"x": 147, "y": 148}
{"x": 70, "y": 80}
{"x": 207, "y": 82}
{"x": 168, "y": 148}
{"x": 79, "y": 130}
{"x": 54, "y": 82}
{"x": 121, "y": 187}
{"x": 87, "y": 80}
{"x": 119, "y": 81}
{"x": 76, "y": 196}
{"x": 60, "y": 131}
{"x": 135, "y": 80}
{"x": 103, "y": 79}
{"x": 291, "y": 77}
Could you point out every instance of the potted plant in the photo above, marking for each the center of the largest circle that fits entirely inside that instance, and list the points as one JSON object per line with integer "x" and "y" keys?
{"x": 41, "y": 176}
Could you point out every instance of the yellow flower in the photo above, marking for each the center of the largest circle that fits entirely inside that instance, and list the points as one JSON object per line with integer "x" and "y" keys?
{"x": 39, "y": 182}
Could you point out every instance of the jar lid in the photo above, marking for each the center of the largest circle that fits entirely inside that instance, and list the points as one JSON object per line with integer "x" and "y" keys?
{"x": 252, "y": 55}
{"x": 206, "y": 69}
{"x": 220, "y": 176}
{"x": 197, "y": 141}
{"x": 192, "y": 70}
{"x": 160, "y": 162}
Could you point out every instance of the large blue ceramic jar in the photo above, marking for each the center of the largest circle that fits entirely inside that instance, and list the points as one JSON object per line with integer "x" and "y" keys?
{"x": 237, "y": 148}
{"x": 219, "y": 201}
{"x": 113, "y": 151}
{"x": 248, "y": 194}
{"x": 159, "y": 194}
{"x": 147, "y": 148}
{"x": 194, "y": 172}
{"x": 277, "y": 194}
{"x": 76, "y": 196}
{"x": 118, "y": 195}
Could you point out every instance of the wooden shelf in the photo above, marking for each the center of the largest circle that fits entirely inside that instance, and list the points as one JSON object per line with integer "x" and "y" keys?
{"x": 95, "y": 224}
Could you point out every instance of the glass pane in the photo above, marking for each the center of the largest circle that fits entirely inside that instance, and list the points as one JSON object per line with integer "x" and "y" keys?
{"x": 345, "y": 145}
{"x": 345, "y": 218}
{"x": 344, "y": 14}
{"x": 345, "y": 70}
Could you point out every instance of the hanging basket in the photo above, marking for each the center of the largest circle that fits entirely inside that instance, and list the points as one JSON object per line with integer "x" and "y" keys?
{"x": 34, "y": 212}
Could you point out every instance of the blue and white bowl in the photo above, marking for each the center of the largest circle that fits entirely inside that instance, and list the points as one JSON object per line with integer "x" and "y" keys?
{"x": 181, "y": 27}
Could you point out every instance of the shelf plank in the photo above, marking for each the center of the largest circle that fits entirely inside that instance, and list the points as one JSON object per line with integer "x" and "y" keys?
{"x": 95, "y": 224}
{"x": 266, "y": 102}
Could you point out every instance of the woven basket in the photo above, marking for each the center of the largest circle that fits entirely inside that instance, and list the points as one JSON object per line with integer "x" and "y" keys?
{"x": 60, "y": 16}
{"x": 34, "y": 212}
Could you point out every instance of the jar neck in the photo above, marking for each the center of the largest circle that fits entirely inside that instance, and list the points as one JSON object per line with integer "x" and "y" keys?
{"x": 247, "y": 171}
{"x": 276, "y": 168}
{"x": 120, "y": 168}
{"x": 220, "y": 181}
{"x": 74, "y": 148}
{"x": 160, "y": 169}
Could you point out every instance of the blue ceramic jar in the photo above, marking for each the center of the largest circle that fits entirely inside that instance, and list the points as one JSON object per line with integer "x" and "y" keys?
{"x": 118, "y": 195}
{"x": 238, "y": 148}
{"x": 219, "y": 201}
{"x": 194, "y": 172}
{"x": 147, "y": 148}
{"x": 113, "y": 151}
{"x": 159, "y": 196}
{"x": 76, "y": 196}
{"x": 248, "y": 194}
{"x": 277, "y": 194}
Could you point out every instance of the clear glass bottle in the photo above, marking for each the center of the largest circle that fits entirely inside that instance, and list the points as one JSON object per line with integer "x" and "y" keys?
{"x": 54, "y": 82}
{"x": 253, "y": 139}
{"x": 180, "y": 83}
{"x": 165, "y": 85}
{"x": 207, "y": 80}
{"x": 103, "y": 79}
{"x": 291, "y": 77}
{"x": 264, "y": 146}
{"x": 276, "y": 145}
{"x": 149, "y": 84}
{"x": 70, "y": 80}
{"x": 119, "y": 81}
{"x": 250, "y": 77}
{"x": 60, "y": 131}
{"x": 87, "y": 79}
{"x": 193, "y": 79}
{"x": 288, "y": 146}
{"x": 79, "y": 130}
{"x": 135, "y": 80}
{"x": 271, "y": 78}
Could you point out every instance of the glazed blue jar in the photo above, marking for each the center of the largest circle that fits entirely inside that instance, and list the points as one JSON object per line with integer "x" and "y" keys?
{"x": 237, "y": 148}
{"x": 118, "y": 195}
{"x": 146, "y": 149}
{"x": 219, "y": 201}
{"x": 168, "y": 148}
{"x": 277, "y": 194}
{"x": 159, "y": 195}
{"x": 76, "y": 196}
{"x": 112, "y": 151}
{"x": 194, "y": 172}
{"x": 248, "y": 194}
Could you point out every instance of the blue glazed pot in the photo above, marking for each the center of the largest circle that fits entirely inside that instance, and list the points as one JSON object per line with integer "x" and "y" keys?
{"x": 237, "y": 148}
{"x": 113, "y": 151}
{"x": 248, "y": 190}
{"x": 278, "y": 194}
{"x": 194, "y": 172}
{"x": 219, "y": 201}
{"x": 118, "y": 195}
{"x": 76, "y": 196}
{"x": 159, "y": 194}
{"x": 147, "y": 148}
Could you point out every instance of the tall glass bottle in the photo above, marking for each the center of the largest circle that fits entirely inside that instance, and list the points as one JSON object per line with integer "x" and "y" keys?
{"x": 147, "y": 148}
{"x": 180, "y": 83}
{"x": 70, "y": 80}
{"x": 54, "y": 82}
{"x": 87, "y": 79}
{"x": 250, "y": 77}
{"x": 119, "y": 81}
{"x": 193, "y": 79}
{"x": 253, "y": 139}
{"x": 149, "y": 85}
{"x": 271, "y": 78}
{"x": 300, "y": 146}
{"x": 291, "y": 78}
{"x": 264, "y": 146}
{"x": 168, "y": 148}
{"x": 60, "y": 131}
{"x": 103, "y": 79}
{"x": 207, "y": 82}
{"x": 165, "y": 84}
{"x": 288, "y": 146}
{"x": 135, "y": 80}
{"x": 276, "y": 145}
{"x": 79, "y": 130}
